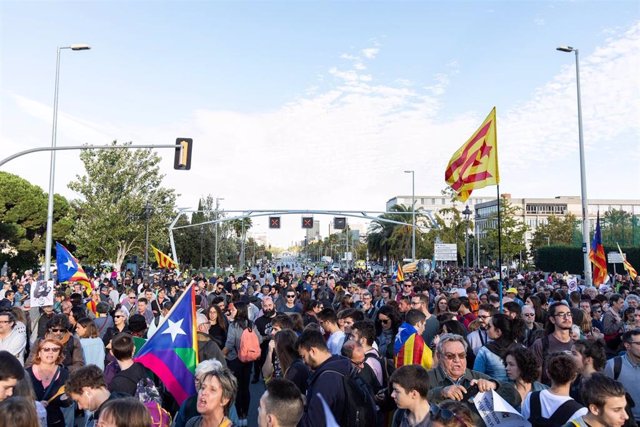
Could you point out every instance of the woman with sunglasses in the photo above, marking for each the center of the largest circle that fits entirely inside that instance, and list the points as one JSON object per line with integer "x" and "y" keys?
{"x": 120, "y": 326}
{"x": 451, "y": 414}
{"x": 48, "y": 376}
{"x": 387, "y": 326}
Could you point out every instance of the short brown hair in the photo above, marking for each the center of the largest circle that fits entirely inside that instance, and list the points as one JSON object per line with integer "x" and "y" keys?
{"x": 36, "y": 358}
{"x": 122, "y": 346}
{"x": 87, "y": 376}
{"x": 127, "y": 412}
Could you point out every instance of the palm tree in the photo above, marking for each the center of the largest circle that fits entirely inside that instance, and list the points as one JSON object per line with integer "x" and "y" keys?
{"x": 391, "y": 240}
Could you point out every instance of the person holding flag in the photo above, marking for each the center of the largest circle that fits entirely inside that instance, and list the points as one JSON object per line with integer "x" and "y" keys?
{"x": 597, "y": 257}
{"x": 409, "y": 347}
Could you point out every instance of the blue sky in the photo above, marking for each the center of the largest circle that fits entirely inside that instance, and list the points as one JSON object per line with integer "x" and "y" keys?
{"x": 322, "y": 105}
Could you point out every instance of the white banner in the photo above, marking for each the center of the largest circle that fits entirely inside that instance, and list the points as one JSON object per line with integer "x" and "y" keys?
{"x": 445, "y": 252}
{"x": 42, "y": 293}
{"x": 496, "y": 412}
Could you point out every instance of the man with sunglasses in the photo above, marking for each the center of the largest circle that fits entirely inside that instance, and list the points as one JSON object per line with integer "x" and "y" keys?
{"x": 452, "y": 380}
{"x": 406, "y": 291}
{"x": 290, "y": 305}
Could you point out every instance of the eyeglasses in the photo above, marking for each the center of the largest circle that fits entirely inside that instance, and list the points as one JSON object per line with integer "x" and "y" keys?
{"x": 50, "y": 349}
{"x": 438, "y": 413}
{"x": 565, "y": 315}
{"x": 58, "y": 330}
{"x": 454, "y": 356}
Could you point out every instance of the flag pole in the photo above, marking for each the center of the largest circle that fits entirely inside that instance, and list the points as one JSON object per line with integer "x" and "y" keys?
{"x": 499, "y": 250}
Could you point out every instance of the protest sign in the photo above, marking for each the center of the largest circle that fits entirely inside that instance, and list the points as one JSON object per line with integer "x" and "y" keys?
{"x": 496, "y": 412}
{"x": 42, "y": 293}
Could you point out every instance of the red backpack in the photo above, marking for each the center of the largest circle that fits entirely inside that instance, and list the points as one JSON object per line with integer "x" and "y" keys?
{"x": 249, "y": 350}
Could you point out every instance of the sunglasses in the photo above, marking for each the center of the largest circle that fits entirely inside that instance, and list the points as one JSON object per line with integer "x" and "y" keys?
{"x": 58, "y": 330}
{"x": 438, "y": 413}
{"x": 385, "y": 321}
{"x": 118, "y": 315}
{"x": 454, "y": 356}
{"x": 51, "y": 349}
{"x": 291, "y": 296}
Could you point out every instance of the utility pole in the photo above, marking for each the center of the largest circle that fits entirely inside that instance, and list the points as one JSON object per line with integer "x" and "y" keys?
{"x": 215, "y": 251}
{"x": 147, "y": 212}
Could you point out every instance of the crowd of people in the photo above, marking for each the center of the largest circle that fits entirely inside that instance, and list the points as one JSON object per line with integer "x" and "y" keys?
{"x": 336, "y": 348}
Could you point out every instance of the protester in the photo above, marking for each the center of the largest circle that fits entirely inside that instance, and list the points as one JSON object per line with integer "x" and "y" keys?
{"x": 590, "y": 357}
{"x": 120, "y": 326}
{"x": 410, "y": 387}
{"x": 557, "y": 336}
{"x": 125, "y": 412}
{"x": 216, "y": 393}
{"x": 92, "y": 345}
{"x": 523, "y": 370}
{"x": 292, "y": 366}
{"x": 451, "y": 414}
{"x": 11, "y": 371}
{"x": 12, "y": 337}
{"x": 281, "y": 405}
{"x": 125, "y": 381}
{"x": 409, "y": 346}
{"x": 18, "y": 412}
{"x": 329, "y": 322}
{"x": 605, "y": 401}
{"x": 624, "y": 368}
{"x": 503, "y": 332}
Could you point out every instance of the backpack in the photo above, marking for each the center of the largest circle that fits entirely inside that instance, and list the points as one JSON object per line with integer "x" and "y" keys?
{"x": 387, "y": 368}
{"x": 617, "y": 367}
{"x": 148, "y": 394}
{"x": 249, "y": 350}
{"x": 558, "y": 418}
{"x": 359, "y": 407}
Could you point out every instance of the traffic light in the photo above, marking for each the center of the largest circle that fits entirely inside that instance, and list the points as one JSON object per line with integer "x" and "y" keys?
{"x": 307, "y": 222}
{"x": 274, "y": 222}
{"x": 182, "y": 159}
{"x": 339, "y": 223}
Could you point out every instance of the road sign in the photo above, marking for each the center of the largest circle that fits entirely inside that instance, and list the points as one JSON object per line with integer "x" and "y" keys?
{"x": 307, "y": 222}
{"x": 614, "y": 258}
{"x": 445, "y": 252}
{"x": 274, "y": 222}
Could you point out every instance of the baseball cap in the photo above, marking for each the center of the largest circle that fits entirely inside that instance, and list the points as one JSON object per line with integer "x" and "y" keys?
{"x": 512, "y": 291}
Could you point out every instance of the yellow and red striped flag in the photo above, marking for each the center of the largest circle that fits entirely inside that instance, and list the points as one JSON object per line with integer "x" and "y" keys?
{"x": 627, "y": 265}
{"x": 399, "y": 273}
{"x": 475, "y": 164}
{"x": 163, "y": 260}
{"x": 597, "y": 256}
{"x": 410, "y": 349}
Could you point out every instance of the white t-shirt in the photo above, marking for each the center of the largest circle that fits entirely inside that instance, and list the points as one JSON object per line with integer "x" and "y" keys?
{"x": 549, "y": 403}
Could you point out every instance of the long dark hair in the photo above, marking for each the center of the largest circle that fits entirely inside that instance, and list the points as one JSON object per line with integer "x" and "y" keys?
{"x": 242, "y": 315}
{"x": 286, "y": 348}
{"x": 392, "y": 314}
{"x": 220, "y": 319}
{"x": 537, "y": 308}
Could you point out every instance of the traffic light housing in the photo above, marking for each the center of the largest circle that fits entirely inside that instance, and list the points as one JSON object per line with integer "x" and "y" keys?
{"x": 307, "y": 222}
{"x": 339, "y": 223}
{"x": 274, "y": 222}
{"x": 182, "y": 159}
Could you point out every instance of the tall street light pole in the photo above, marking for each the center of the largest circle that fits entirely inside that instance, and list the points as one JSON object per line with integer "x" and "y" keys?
{"x": 215, "y": 250}
{"x": 413, "y": 214}
{"x": 583, "y": 178}
{"x": 52, "y": 166}
{"x": 147, "y": 214}
{"x": 466, "y": 212}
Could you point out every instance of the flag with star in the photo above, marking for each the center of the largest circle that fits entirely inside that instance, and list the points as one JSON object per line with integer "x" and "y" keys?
{"x": 409, "y": 348}
{"x": 69, "y": 269}
{"x": 172, "y": 352}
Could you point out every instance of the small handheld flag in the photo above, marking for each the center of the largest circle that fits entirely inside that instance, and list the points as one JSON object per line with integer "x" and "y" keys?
{"x": 475, "y": 164}
{"x": 163, "y": 260}
{"x": 69, "y": 269}
{"x": 627, "y": 265}
{"x": 400, "y": 274}
{"x": 172, "y": 352}
{"x": 597, "y": 257}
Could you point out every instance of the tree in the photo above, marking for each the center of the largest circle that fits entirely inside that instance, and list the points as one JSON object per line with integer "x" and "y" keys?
{"x": 23, "y": 222}
{"x": 451, "y": 229}
{"x": 393, "y": 241}
{"x": 557, "y": 231}
{"x": 513, "y": 233}
{"x": 111, "y": 214}
{"x": 617, "y": 227}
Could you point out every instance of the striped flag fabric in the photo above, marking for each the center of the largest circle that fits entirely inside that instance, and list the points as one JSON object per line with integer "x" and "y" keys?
{"x": 597, "y": 256}
{"x": 399, "y": 273}
{"x": 172, "y": 352}
{"x": 410, "y": 349}
{"x": 475, "y": 164}
{"x": 627, "y": 265}
{"x": 164, "y": 260}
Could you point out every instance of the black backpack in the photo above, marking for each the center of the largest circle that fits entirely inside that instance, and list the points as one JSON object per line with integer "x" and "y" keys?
{"x": 559, "y": 417}
{"x": 359, "y": 406}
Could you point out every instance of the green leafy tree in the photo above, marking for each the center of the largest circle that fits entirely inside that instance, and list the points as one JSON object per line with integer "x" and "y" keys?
{"x": 393, "y": 241}
{"x": 23, "y": 222}
{"x": 617, "y": 227}
{"x": 451, "y": 228}
{"x": 115, "y": 188}
{"x": 513, "y": 233}
{"x": 557, "y": 231}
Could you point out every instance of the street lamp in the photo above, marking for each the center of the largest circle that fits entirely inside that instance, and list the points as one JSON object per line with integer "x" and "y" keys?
{"x": 583, "y": 178}
{"x": 466, "y": 212}
{"x": 477, "y": 218}
{"x": 148, "y": 209}
{"x": 215, "y": 250}
{"x": 52, "y": 166}
{"x": 413, "y": 214}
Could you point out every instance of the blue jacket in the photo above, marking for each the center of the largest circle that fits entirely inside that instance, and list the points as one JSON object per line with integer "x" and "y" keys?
{"x": 491, "y": 364}
{"x": 329, "y": 385}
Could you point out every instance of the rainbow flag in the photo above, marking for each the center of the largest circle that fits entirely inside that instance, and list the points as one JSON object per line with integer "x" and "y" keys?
{"x": 597, "y": 256}
{"x": 69, "y": 269}
{"x": 410, "y": 349}
{"x": 627, "y": 265}
{"x": 164, "y": 260}
{"x": 172, "y": 352}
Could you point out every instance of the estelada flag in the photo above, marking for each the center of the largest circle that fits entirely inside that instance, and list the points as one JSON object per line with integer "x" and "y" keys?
{"x": 69, "y": 269}
{"x": 627, "y": 265}
{"x": 172, "y": 352}
{"x": 163, "y": 260}
{"x": 475, "y": 164}
{"x": 409, "y": 348}
{"x": 597, "y": 257}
